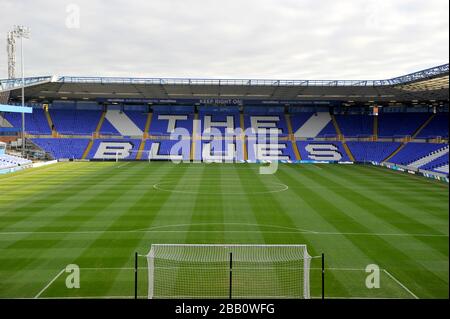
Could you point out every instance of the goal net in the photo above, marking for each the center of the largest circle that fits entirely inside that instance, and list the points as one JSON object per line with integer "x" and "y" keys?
{"x": 228, "y": 271}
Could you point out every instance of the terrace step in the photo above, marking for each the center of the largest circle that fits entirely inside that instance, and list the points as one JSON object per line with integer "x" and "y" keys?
{"x": 50, "y": 123}
{"x": 349, "y": 153}
{"x": 244, "y": 144}
{"x": 100, "y": 123}
{"x": 292, "y": 138}
{"x": 395, "y": 152}
{"x": 339, "y": 133}
{"x": 141, "y": 150}
{"x": 88, "y": 149}
{"x": 147, "y": 124}
{"x": 194, "y": 136}
{"x": 375, "y": 127}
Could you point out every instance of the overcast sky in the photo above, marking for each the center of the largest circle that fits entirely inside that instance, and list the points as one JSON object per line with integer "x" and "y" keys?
{"x": 281, "y": 39}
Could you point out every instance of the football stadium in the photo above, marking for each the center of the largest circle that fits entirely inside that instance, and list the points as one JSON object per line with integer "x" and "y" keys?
{"x": 172, "y": 188}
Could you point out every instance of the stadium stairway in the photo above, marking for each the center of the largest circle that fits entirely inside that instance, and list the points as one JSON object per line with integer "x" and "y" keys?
{"x": 50, "y": 123}
{"x": 88, "y": 149}
{"x": 429, "y": 158}
{"x": 292, "y": 138}
{"x": 375, "y": 128}
{"x": 100, "y": 124}
{"x": 147, "y": 125}
{"x": 342, "y": 138}
{"x": 243, "y": 137}
{"x": 194, "y": 137}
{"x": 145, "y": 136}
{"x": 141, "y": 149}
{"x": 96, "y": 134}
{"x": 395, "y": 152}
{"x": 417, "y": 132}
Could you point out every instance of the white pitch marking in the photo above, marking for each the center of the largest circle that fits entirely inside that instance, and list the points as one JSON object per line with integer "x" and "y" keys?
{"x": 50, "y": 283}
{"x": 130, "y": 297}
{"x": 120, "y": 166}
{"x": 401, "y": 285}
{"x": 284, "y": 188}
{"x": 154, "y": 230}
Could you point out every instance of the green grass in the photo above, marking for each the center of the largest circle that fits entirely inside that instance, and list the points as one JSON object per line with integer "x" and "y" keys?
{"x": 96, "y": 215}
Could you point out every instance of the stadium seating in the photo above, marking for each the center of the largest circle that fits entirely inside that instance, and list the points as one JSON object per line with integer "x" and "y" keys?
{"x": 261, "y": 118}
{"x": 322, "y": 151}
{"x": 119, "y": 123}
{"x": 163, "y": 123}
{"x": 312, "y": 125}
{"x": 108, "y": 149}
{"x": 298, "y": 120}
{"x": 164, "y": 148}
{"x": 415, "y": 151}
{"x": 139, "y": 118}
{"x": 355, "y": 125}
{"x": 59, "y": 148}
{"x": 35, "y": 123}
{"x": 437, "y": 165}
{"x": 328, "y": 131}
{"x": 424, "y": 160}
{"x": 372, "y": 151}
{"x": 127, "y": 128}
{"x": 283, "y": 149}
{"x": 8, "y": 161}
{"x": 438, "y": 127}
{"x": 400, "y": 124}
{"x": 442, "y": 169}
{"x": 108, "y": 128}
{"x": 225, "y": 118}
{"x": 75, "y": 122}
{"x": 4, "y": 165}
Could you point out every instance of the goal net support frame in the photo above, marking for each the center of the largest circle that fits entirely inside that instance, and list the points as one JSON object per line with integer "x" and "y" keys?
{"x": 190, "y": 271}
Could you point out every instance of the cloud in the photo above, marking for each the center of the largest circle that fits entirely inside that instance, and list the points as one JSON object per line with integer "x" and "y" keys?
{"x": 283, "y": 39}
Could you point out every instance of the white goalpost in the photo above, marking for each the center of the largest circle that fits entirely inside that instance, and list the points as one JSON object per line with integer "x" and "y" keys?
{"x": 177, "y": 271}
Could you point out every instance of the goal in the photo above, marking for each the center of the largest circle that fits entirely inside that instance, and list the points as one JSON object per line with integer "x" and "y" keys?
{"x": 228, "y": 271}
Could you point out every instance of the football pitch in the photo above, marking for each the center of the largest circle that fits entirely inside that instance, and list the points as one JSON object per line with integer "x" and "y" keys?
{"x": 97, "y": 215}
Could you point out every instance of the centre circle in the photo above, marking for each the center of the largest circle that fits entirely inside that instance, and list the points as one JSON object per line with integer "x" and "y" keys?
{"x": 210, "y": 187}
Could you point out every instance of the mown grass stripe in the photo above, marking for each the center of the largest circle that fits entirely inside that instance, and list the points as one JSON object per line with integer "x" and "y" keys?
{"x": 317, "y": 200}
{"x": 379, "y": 249}
{"x": 269, "y": 210}
{"x": 30, "y": 267}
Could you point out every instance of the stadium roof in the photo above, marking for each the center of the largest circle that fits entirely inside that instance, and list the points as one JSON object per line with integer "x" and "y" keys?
{"x": 426, "y": 85}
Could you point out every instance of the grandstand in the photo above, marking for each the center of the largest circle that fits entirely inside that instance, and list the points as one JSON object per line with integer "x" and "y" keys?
{"x": 91, "y": 211}
{"x": 71, "y": 121}
{"x": 10, "y": 163}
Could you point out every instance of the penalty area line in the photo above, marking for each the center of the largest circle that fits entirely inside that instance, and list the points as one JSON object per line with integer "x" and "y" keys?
{"x": 400, "y": 284}
{"x": 49, "y": 284}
